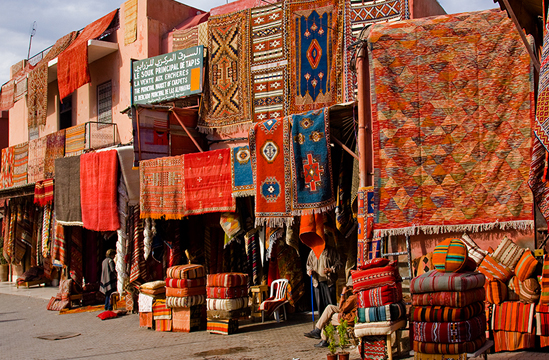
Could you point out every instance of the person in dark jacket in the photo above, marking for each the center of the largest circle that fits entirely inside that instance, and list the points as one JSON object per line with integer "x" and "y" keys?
{"x": 108, "y": 278}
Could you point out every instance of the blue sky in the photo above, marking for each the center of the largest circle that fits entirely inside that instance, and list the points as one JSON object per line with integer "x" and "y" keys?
{"x": 55, "y": 18}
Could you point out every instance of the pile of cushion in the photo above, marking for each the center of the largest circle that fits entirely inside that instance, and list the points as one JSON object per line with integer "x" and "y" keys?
{"x": 511, "y": 277}
{"x": 186, "y": 295}
{"x": 447, "y": 314}
{"x": 149, "y": 294}
{"x": 380, "y": 311}
{"x": 227, "y": 301}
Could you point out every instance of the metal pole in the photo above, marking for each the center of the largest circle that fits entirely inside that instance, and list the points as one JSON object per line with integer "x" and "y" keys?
{"x": 312, "y": 302}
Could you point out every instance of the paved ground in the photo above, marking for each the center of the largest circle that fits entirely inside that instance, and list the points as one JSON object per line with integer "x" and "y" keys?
{"x": 23, "y": 317}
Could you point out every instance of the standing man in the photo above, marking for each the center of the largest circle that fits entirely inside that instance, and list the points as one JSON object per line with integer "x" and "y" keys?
{"x": 108, "y": 278}
{"x": 324, "y": 273}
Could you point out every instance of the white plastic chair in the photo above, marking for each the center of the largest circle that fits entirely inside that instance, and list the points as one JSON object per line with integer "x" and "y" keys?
{"x": 280, "y": 286}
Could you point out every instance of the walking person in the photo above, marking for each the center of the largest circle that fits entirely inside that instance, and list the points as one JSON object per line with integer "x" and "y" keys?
{"x": 108, "y": 278}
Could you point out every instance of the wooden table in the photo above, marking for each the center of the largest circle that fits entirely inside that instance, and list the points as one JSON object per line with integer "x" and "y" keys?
{"x": 259, "y": 294}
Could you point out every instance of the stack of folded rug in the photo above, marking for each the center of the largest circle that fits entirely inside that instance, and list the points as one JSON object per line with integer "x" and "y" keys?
{"x": 380, "y": 311}
{"x": 227, "y": 302}
{"x": 186, "y": 295}
{"x": 149, "y": 293}
{"x": 447, "y": 314}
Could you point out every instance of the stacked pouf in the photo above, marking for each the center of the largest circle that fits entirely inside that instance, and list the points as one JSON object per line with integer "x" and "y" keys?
{"x": 380, "y": 312}
{"x": 227, "y": 302}
{"x": 149, "y": 293}
{"x": 186, "y": 296}
{"x": 447, "y": 315}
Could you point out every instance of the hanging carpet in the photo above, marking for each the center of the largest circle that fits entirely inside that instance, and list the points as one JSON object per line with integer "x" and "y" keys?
{"x": 446, "y": 159}
{"x": 99, "y": 190}
{"x": 55, "y": 149}
{"x": 68, "y": 210}
{"x": 229, "y": 108}
{"x": 37, "y": 157}
{"x": 20, "y": 164}
{"x": 241, "y": 168}
{"x": 75, "y": 140}
{"x": 7, "y": 167}
{"x": 270, "y": 151}
{"x": 43, "y": 192}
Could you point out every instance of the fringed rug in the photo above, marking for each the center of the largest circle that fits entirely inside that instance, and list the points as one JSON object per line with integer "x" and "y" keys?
{"x": 68, "y": 210}
{"x": 242, "y": 175}
{"x": 7, "y": 167}
{"x": 37, "y": 155}
{"x": 229, "y": 107}
{"x": 445, "y": 159}
{"x": 161, "y": 184}
{"x": 311, "y": 163}
{"x": 6, "y": 96}
{"x": 130, "y": 21}
{"x": 270, "y": 151}
{"x": 20, "y": 164}
{"x": 99, "y": 190}
{"x": 59, "y": 245}
{"x": 43, "y": 192}
{"x": 316, "y": 38}
{"x": 184, "y": 39}
{"x": 541, "y": 141}
{"x": 138, "y": 266}
{"x": 75, "y": 140}
{"x": 37, "y": 95}
{"x": 72, "y": 67}
{"x": 207, "y": 182}
{"x": 55, "y": 148}
{"x": 269, "y": 62}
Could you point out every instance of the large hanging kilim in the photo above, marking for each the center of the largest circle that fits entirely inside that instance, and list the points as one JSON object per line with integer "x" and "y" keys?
{"x": 316, "y": 38}
{"x": 242, "y": 175}
{"x": 75, "y": 140}
{"x": 452, "y": 139}
{"x": 7, "y": 167}
{"x": 270, "y": 151}
{"x": 72, "y": 66}
{"x": 55, "y": 149}
{"x": 20, "y": 164}
{"x": 207, "y": 182}
{"x": 37, "y": 95}
{"x": 68, "y": 209}
{"x": 161, "y": 184}
{"x": 311, "y": 163}
{"x": 37, "y": 155}
{"x": 229, "y": 107}
{"x": 99, "y": 190}
{"x": 268, "y": 38}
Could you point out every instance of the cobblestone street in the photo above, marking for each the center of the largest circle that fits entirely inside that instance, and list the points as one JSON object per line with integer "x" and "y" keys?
{"x": 24, "y": 318}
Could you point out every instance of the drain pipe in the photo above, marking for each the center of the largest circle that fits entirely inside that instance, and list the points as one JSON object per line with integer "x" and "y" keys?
{"x": 365, "y": 140}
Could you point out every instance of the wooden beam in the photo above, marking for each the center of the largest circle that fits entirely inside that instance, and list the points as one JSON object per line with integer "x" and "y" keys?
{"x": 535, "y": 61}
{"x": 138, "y": 132}
{"x": 186, "y": 130}
{"x": 349, "y": 151}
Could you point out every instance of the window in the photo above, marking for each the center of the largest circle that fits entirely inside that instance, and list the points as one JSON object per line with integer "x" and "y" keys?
{"x": 65, "y": 113}
{"x": 104, "y": 102}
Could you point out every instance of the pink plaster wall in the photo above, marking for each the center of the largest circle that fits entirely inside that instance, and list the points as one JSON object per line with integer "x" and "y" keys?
{"x": 154, "y": 19}
{"x": 425, "y": 8}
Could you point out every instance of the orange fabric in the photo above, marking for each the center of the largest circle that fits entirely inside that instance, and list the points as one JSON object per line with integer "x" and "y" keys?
{"x": 72, "y": 66}
{"x": 182, "y": 292}
{"x": 311, "y": 232}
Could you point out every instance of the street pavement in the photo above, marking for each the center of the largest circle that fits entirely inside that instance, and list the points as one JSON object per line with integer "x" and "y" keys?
{"x": 23, "y": 318}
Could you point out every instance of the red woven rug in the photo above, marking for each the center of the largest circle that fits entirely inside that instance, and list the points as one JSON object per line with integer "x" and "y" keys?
{"x": 7, "y": 167}
{"x": 43, "y": 192}
{"x": 72, "y": 67}
{"x": 270, "y": 151}
{"x": 161, "y": 184}
{"x": 55, "y": 148}
{"x": 207, "y": 182}
{"x": 445, "y": 158}
{"x": 98, "y": 190}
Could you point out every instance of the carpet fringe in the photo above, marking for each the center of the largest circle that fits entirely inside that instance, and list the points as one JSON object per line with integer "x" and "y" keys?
{"x": 318, "y": 210}
{"x": 70, "y": 223}
{"x": 244, "y": 193}
{"x": 522, "y": 225}
{"x": 225, "y": 130}
{"x": 274, "y": 221}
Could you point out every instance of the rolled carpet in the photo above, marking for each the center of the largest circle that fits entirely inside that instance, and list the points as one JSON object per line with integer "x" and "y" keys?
{"x": 434, "y": 281}
{"x": 190, "y": 271}
{"x": 381, "y": 313}
{"x": 450, "y": 332}
{"x": 379, "y": 296}
{"x": 219, "y": 292}
{"x": 226, "y": 304}
{"x": 445, "y": 313}
{"x": 187, "y": 301}
{"x": 183, "y": 292}
{"x": 184, "y": 283}
{"x": 227, "y": 280}
{"x": 440, "y": 348}
{"x": 449, "y": 298}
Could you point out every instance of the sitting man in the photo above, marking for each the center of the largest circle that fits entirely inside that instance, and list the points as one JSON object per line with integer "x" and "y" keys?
{"x": 347, "y": 310}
